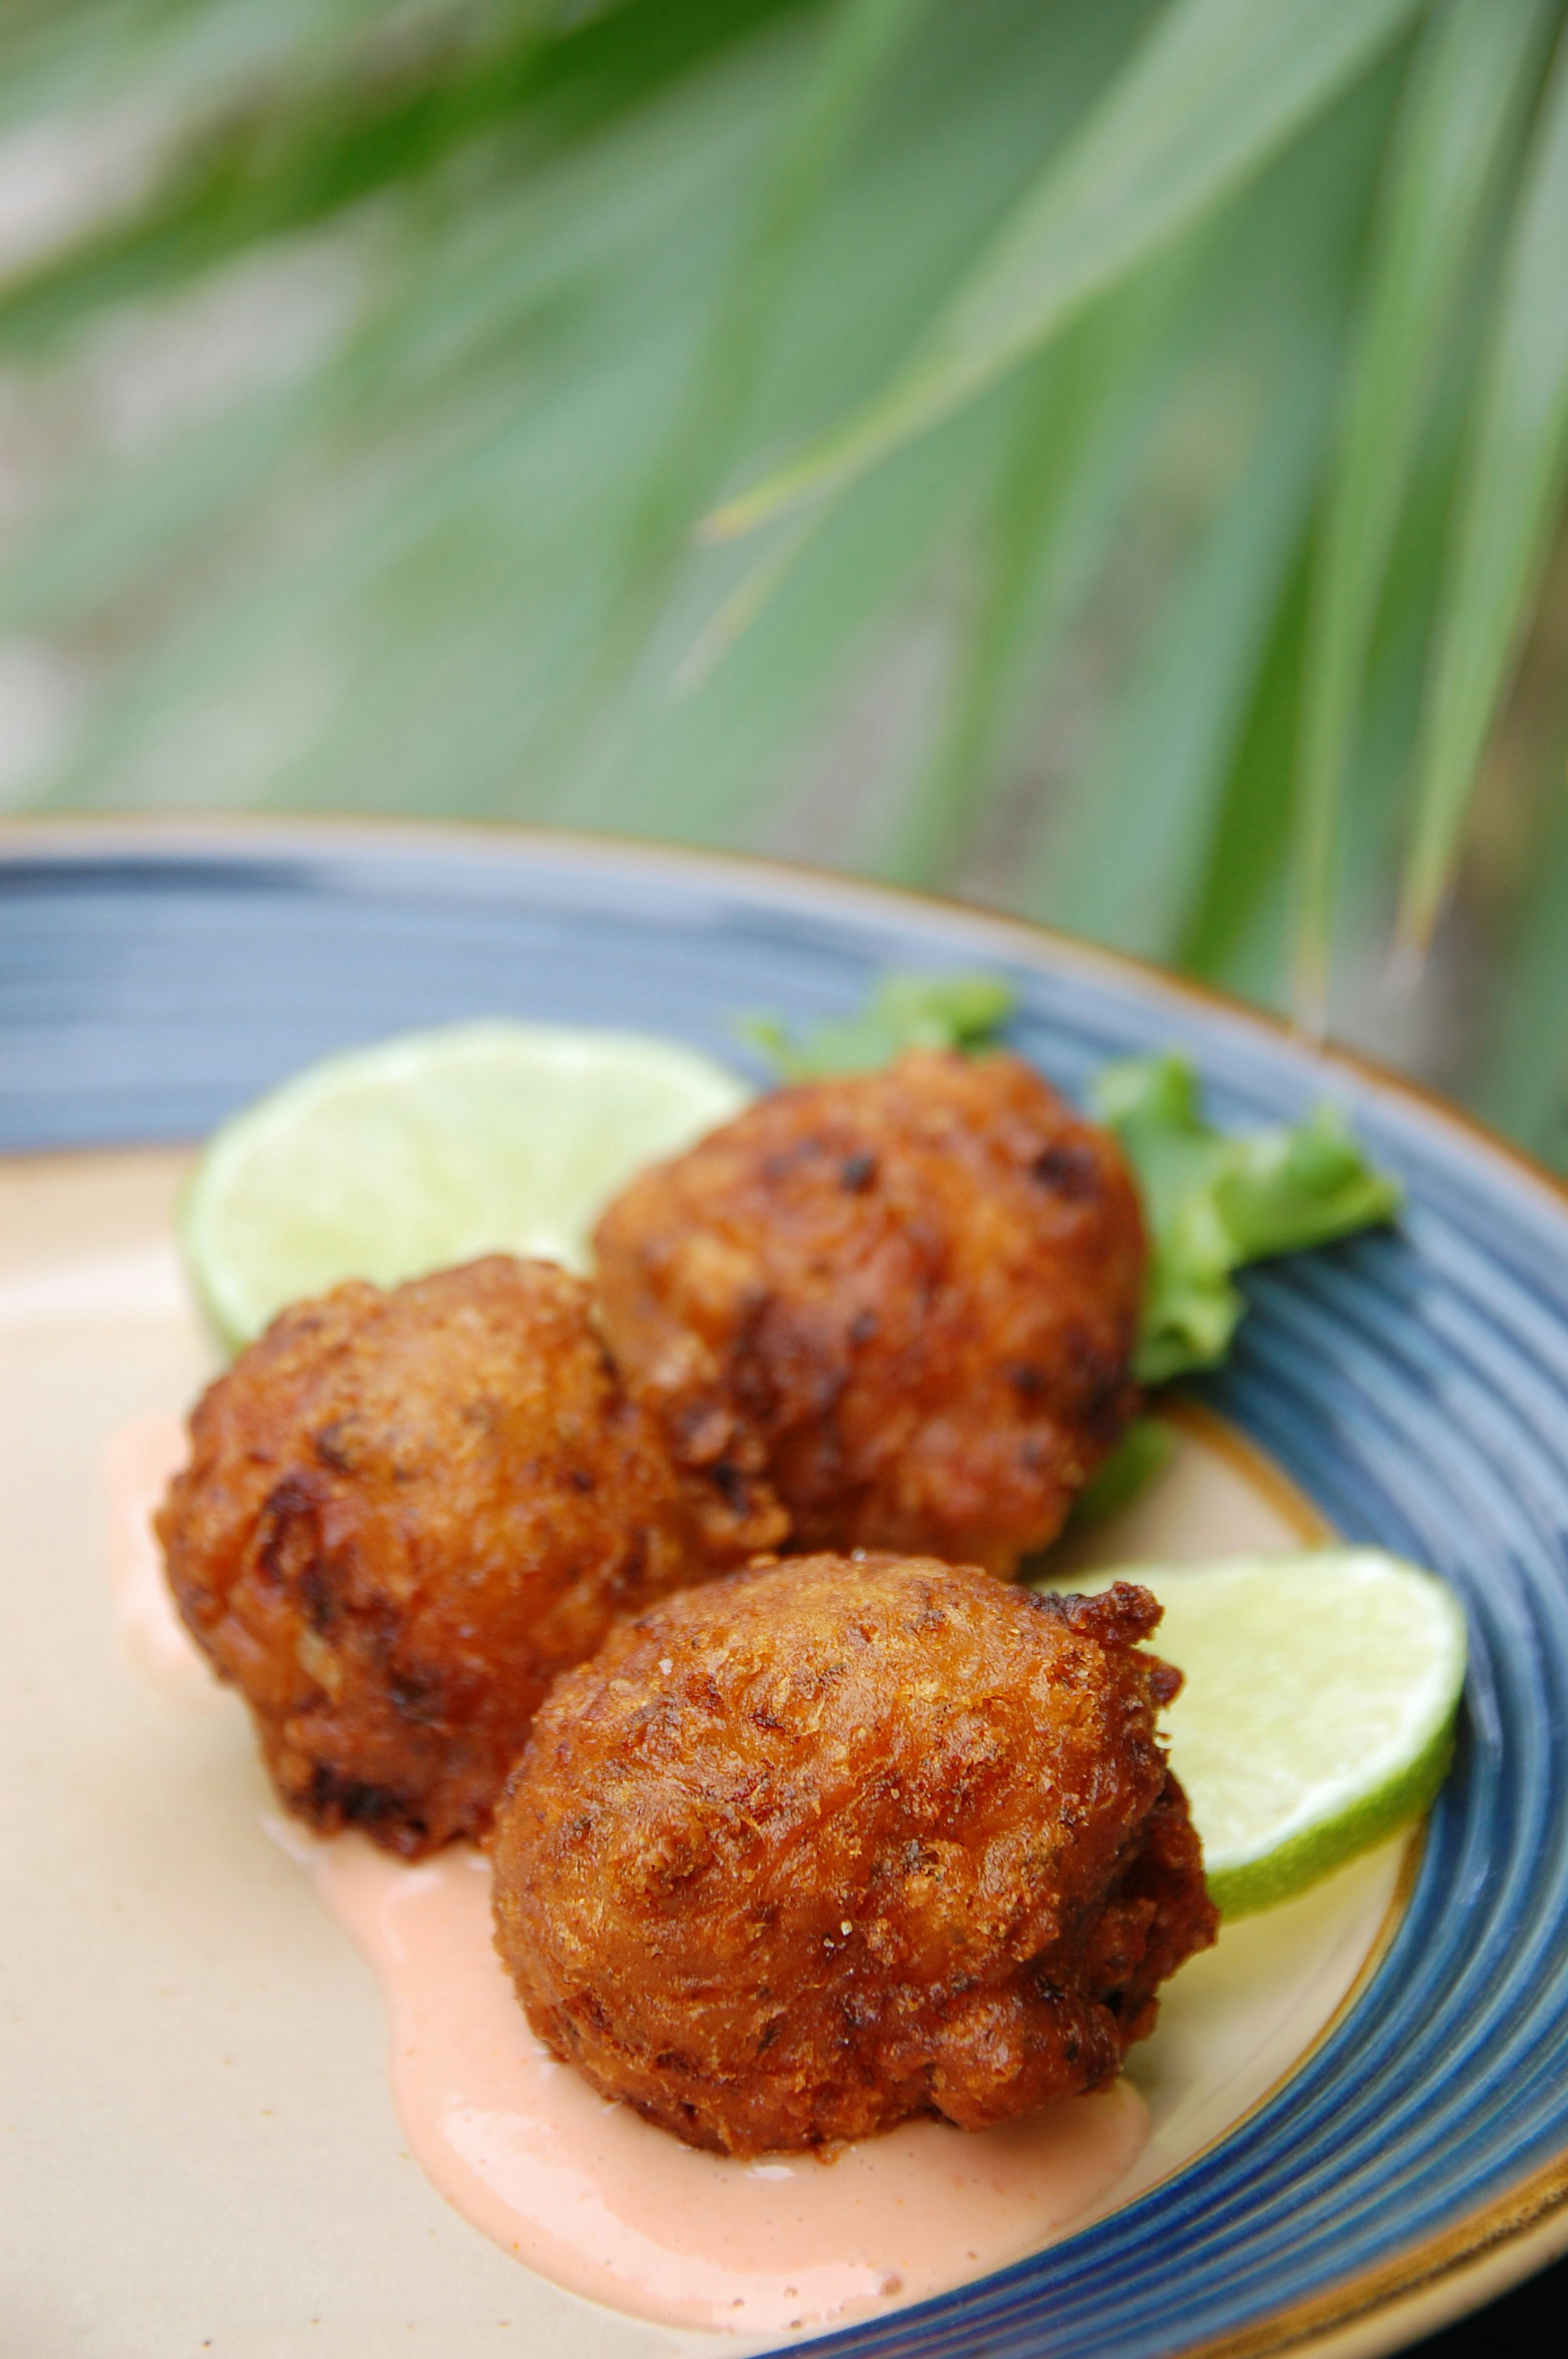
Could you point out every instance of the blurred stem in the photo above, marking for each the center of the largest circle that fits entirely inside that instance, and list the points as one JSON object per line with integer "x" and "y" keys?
{"x": 735, "y": 613}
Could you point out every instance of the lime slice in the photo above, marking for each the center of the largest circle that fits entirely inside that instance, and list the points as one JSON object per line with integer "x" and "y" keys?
{"x": 1317, "y": 1713}
{"x": 429, "y": 1149}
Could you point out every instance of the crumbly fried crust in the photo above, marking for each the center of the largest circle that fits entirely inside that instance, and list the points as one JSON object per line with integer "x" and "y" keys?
{"x": 908, "y": 1301}
{"x": 838, "y": 1842}
{"x": 404, "y": 1512}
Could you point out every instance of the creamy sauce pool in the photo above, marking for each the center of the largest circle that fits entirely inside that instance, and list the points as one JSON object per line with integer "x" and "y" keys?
{"x": 586, "y": 2192}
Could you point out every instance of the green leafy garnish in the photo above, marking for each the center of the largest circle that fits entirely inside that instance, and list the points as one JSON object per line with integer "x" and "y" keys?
{"x": 1144, "y": 1451}
{"x": 904, "y": 1011}
{"x": 1213, "y": 1199}
{"x": 1217, "y": 1199}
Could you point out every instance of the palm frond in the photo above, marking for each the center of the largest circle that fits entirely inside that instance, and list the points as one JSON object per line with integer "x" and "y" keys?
{"x": 1472, "y": 78}
{"x": 1186, "y": 381}
{"x": 1217, "y": 87}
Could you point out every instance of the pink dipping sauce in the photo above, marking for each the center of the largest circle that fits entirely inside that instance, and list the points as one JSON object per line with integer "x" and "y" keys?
{"x": 587, "y": 2192}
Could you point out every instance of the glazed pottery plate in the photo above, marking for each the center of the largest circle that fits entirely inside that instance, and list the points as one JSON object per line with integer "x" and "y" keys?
{"x": 1359, "y": 2104}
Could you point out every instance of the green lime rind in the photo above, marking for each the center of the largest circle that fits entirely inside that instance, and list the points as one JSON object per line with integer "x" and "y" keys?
{"x": 432, "y": 1148}
{"x": 1317, "y": 1711}
{"x": 1306, "y": 1858}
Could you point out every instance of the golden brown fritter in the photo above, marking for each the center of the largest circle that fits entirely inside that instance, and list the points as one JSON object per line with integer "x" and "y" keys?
{"x": 908, "y": 1300}
{"x": 833, "y": 1842}
{"x": 404, "y": 1514}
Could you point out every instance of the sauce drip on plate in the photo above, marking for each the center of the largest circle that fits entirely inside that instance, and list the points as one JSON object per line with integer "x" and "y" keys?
{"x": 603, "y": 2202}
{"x": 588, "y": 2193}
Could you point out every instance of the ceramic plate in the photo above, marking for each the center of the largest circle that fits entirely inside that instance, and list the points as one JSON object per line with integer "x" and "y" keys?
{"x": 1359, "y": 2107}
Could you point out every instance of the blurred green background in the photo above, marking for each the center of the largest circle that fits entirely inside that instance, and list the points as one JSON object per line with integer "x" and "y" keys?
{"x": 1102, "y": 458}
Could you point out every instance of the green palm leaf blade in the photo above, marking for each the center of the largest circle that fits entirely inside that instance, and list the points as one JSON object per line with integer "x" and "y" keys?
{"x": 415, "y": 516}
{"x": 859, "y": 41}
{"x": 416, "y": 580}
{"x": 721, "y": 762}
{"x": 1507, "y": 513}
{"x": 1125, "y": 859}
{"x": 1065, "y": 469}
{"x": 1525, "y": 1067}
{"x": 1215, "y": 88}
{"x": 1459, "y": 126}
{"x": 313, "y": 131}
{"x": 756, "y": 657}
{"x": 1127, "y": 867}
{"x": 991, "y": 90}
{"x": 59, "y": 55}
{"x": 1233, "y": 935}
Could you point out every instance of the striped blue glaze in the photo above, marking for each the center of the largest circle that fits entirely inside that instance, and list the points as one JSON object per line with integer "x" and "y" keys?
{"x": 1415, "y": 1385}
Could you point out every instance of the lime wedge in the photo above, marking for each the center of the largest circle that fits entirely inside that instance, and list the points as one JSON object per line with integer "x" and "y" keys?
{"x": 429, "y": 1149}
{"x": 1317, "y": 1713}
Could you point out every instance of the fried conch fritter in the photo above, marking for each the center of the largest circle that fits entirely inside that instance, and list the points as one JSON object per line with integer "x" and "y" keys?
{"x": 404, "y": 1512}
{"x": 907, "y": 1299}
{"x": 827, "y": 1844}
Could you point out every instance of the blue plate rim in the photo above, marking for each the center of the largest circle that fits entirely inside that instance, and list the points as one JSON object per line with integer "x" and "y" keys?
{"x": 59, "y": 838}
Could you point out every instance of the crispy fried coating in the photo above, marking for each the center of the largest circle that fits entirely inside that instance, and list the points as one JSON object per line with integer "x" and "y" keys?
{"x": 827, "y": 1844}
{"x": 404, "y": 1512}
{"x": 908, "y": 1300}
